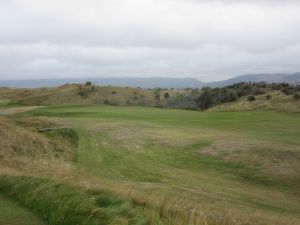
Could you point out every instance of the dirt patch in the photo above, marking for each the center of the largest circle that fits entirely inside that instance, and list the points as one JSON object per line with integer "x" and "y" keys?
{"x": 13, "y": 110}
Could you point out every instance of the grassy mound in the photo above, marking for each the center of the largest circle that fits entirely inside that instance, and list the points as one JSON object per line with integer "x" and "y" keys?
{"x": 272, "y": 101}
{"x": 21, "y": 140}
{"x": 62, "y": 204}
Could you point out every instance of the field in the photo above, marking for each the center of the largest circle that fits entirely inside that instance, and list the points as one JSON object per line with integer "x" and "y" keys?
{"x": 179, "y": 166}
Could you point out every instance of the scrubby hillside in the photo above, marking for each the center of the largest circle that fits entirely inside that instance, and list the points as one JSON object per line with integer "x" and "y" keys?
{"x": 78, "y": 94}
{"x": 272, "y": 101}
{"x": 281, "y": 96}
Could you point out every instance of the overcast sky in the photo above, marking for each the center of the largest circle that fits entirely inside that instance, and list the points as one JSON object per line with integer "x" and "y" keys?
{"x": 206, "y": 39}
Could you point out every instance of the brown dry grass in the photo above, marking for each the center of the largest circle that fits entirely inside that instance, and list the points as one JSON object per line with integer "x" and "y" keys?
{"x": 18, "y": 143}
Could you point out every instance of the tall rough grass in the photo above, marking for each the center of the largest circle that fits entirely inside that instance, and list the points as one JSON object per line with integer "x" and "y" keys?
{"x": 62, "y": 204}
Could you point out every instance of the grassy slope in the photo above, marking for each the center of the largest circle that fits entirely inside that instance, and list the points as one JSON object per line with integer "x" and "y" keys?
{"x": 69, "y": 94}
{"x": 180, "y": 155}
{"x": 12, "y": 214}
{"x": 25, "y": 151}
{"x": 20, "y": 144}
{"x": 278, "y": 102}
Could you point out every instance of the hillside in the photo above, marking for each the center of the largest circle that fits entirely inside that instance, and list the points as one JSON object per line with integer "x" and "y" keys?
{"x": 278, "y": 102}
{"x": 74, "y": 94}
{"x": 151, "y": 82}
{"x": 77, "y": 94}
{"x": 282, "y": 97}
{"x": 155, "y": 82}
{"x": 293, "y": 78}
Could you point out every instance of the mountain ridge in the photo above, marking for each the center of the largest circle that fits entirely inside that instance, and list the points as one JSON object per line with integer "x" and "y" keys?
{"x": 155, "y": 82}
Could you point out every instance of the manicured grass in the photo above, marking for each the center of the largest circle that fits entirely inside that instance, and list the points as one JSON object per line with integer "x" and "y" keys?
{"x": 11, "y": 213}
{"x": 261, "y": 124}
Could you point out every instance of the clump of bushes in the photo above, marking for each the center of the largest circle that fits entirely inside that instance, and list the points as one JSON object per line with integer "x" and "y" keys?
{"x": 251, "y": 98}
{"x": 85, "y": 90}
{"x": 166, "y": 95}
{"x": 108, "y": 102}
{"x": 296, "y": 96}
{"x": 214, "y": 96}
{"x": 268, "y": 97}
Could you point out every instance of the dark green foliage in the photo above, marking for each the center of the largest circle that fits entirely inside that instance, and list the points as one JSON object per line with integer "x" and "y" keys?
{"x": 211, "y": 97}
{"x": 287, "y": 90}
{"x": 251, "y": 98}
{"x": 182, "y": 101}
{"x": 156, "y": 95}
{"x": 269, "y": 97}
{"x": 296, "y": 96}
{"x": 109, "y": 102}
{"x": 67, "y": 134}
{"x": 84, "y": 91}
{"x": 62, "y": 204}
{"x": 166, "y": 95}
{"x": 204, "y": 101}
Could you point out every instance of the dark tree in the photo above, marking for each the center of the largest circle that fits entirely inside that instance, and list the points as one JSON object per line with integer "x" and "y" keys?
{"x": 157, "y": 96}
{"x": 268, "y": 97}
{"x": 166, "y": 95}
{"x": 296, "y": 96}
{"x": 251, "y": 98}
{"x": 204, "y": 100}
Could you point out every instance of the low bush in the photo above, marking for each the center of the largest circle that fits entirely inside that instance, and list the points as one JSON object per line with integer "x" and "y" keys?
{"x": 269, "y": 97}
{"x": 251, "y": 98}
{"x": 296, "y": 96}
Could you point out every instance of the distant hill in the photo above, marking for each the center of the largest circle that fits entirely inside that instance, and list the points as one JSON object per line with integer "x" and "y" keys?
{"x": 293, "y": 78}
{"x": 153, "y": 82}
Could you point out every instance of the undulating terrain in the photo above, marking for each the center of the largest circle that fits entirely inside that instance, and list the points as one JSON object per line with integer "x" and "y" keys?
{"x": 80, "y": 154}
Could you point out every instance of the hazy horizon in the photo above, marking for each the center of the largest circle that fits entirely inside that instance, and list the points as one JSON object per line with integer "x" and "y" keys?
{"x": 207, "y": 40}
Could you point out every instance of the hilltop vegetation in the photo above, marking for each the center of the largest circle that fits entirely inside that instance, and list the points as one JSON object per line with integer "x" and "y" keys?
{"x": 195, "y": 99}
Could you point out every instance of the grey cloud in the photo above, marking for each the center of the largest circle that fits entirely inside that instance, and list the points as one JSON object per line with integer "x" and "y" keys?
{"x": 147, "y": 38}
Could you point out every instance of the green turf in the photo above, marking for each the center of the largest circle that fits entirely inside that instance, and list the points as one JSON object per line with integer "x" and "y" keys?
{"x": 270, "y": 125}
{"x": 4, "y": 103}
{"x": 13, "y": 214}
{"x": 163, "y": 147}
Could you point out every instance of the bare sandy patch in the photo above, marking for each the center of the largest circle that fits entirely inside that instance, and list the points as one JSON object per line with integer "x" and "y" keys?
{"x": 13, "y": 110}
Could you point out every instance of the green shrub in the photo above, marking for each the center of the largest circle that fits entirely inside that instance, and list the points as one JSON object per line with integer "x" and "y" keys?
{"x": 251, "y": 98}
{"x": 296, "y": 96}
{"x": 66, "y": 134}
